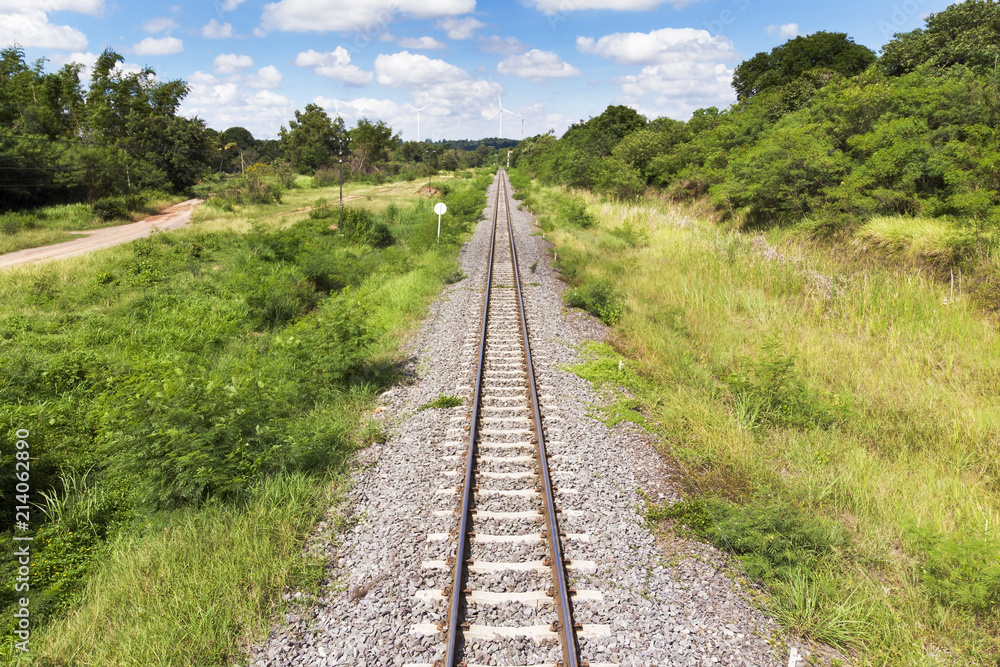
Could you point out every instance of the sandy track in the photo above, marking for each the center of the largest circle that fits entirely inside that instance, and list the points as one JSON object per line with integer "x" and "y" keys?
{"x": 173, "y": 217}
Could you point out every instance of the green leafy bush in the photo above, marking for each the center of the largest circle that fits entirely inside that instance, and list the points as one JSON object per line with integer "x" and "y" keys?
{"x": 111, "y": 208}
{"x": 601, "y": 298}
{"x": 573, "y": 211}
{"x": 13, "y": 223}
{"x": 770, "y": 392}
{"x": 772, "y": 540}
{"x": 961, "y": 572}
{"x": 362, "y": 226}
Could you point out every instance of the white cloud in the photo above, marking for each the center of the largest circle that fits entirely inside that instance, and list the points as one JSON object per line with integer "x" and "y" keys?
{"x": 362, "y": 107}
{"x": 459, "y": 29}
{"x": 498, "y": 44}
{"x": 93, "y": 7}
{"x": 684, "y": 68}
{"x": 371, "y": 16}
{"x": 334, "y": 64}
{"x": 231, "y": 63}
{"x": 266, "y": 77}
{"x": 680, "y": 88}
{"x": 230, "y": 5}
{"x": 226, "y": 104}
{"x": 215, "y": 30}
{"x": 420, "y": 43}
{"x": 564, "y": 6}
{"x": 163, "y": 46}
{"x": 32, "y": 28}
{"x": 413, "y": 70}
{"x": 154, "y": 26}
{"x": 785, "y": 31}
{"x": 538, "y": 66}
{"x": 659, "y": 47}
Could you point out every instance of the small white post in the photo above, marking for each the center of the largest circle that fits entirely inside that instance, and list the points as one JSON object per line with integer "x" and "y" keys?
{"x": 440, "y": 209}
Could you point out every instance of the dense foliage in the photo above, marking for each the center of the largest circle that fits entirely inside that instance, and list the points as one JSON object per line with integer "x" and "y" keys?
{"x": 917, "y": 133}
{"x": 121, "y": 136}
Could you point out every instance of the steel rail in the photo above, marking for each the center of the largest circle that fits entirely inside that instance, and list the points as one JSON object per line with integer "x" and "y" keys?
{"x": 564, "y": 626}
{"x": 455, "y": 602}
{"x": 564, "y": 611}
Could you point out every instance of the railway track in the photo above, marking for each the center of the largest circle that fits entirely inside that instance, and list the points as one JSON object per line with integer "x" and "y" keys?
{"x": 507, "y": 599}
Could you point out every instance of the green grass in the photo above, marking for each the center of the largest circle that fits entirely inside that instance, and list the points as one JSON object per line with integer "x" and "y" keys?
{"x": 443, "y": 402}
{"x": 779, "y": 378}
{"x": 198, "y": 390}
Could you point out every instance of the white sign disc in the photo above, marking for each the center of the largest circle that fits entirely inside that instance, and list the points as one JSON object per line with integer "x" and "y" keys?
{"x": 440, "y": 208}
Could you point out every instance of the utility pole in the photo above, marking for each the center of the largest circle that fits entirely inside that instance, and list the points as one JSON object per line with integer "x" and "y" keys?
{"x": 341, "y": 140}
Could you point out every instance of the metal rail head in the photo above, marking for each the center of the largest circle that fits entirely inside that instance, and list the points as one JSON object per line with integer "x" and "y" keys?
{"x": 564, "y": 610}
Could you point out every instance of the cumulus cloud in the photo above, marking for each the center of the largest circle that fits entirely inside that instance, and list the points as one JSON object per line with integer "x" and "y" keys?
{"x": 33, "y": 29}
{"x": 153, "y": 26}
{"x": 93, "y": 7}
{"x": 459, "y": 29}
{"x": 371, "y": 16}
{"x": 563, "y": 6}
{"x": 420, "y": 43}
{"x": 334, "y": 64}
{"x": 413, "y": 70}
{"x": 785, "y": 31}
{"x": 163, "y": 46}
{"x": 538, "y": 66}
{"x": 678, "y": 89}
{"x": 498, "y": 44}
{"x": 659, "y": 47}
{"x": 266, "y": 77}
{"x": 230, "y": 5}
{"x": 224, "y": 105}
{"x": 231, "y": 63}
{"x": 215, "y": 30}
{"x": 684, "y": 69}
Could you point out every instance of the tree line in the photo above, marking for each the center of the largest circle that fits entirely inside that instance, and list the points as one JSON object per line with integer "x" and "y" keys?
{"x": 823, "y": 131}
{"x": 121, "y": 137}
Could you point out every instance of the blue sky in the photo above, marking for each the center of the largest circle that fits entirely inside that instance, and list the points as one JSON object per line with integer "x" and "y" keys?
{"x": 554, "y": 62}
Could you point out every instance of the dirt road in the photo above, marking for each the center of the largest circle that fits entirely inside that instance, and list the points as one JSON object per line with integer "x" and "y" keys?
{"x": 173, "y": 217}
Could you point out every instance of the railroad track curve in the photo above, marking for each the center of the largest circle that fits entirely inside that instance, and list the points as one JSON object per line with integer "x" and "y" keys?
{"x": 507, "y": 599}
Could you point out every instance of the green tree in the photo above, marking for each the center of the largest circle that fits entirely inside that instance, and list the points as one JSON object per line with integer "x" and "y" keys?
{"x": 370, "y": 144}
{"x": 833, "y": 51}
{"x": 311, "y": 139}
{"x": 967, "y": 33}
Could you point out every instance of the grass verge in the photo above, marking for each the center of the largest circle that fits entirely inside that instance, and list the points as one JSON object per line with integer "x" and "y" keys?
{"x": 189, "y": 398}
{"x": 789, "y": 389}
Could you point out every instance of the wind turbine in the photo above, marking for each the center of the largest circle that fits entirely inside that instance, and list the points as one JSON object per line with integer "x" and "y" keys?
{"x": 336, "y": 106}
{"x": 501, "y": 111}
{"x": 418, "y": 117}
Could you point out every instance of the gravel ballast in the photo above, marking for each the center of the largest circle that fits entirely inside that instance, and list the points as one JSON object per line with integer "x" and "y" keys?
{"x": 681, "y": 610}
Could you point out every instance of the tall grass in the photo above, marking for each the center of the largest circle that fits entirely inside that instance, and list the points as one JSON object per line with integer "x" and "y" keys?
{"x": 773, "y": 374}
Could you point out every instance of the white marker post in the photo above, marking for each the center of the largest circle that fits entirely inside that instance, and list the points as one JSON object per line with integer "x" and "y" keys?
{"x": 440, "y": 209}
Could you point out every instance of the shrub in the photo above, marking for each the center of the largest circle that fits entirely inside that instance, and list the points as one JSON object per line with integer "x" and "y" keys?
{"x": 771, "y": 539}
{"x": 573, "y": 211}
{"x": 111, "y": 208}
{"x": 770, "y": 392}
{"x": 960, "y": 571}
{"x": 601, "y": 298}
{"x": 13, "y": 223}
{"x": 363, "y": 227}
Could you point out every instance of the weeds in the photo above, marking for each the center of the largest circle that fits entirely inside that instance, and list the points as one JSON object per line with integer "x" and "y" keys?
{"x": 443, "y": 402}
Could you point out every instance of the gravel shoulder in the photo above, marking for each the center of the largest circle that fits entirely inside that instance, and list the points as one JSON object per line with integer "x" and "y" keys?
{"x": 667, "y": 602}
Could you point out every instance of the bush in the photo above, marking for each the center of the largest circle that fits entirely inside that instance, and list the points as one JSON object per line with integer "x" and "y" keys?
{"x": 770, "y": 392}
{"x": 13, "y": 223}
{"x": 573, "y": 211}
{"x": 601, "y": 298}
{"x": 771, "y": 539}
{"x": 111, "y": 208}
{"x": 960, "y": 571}
{"x": 363, "y": 227}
